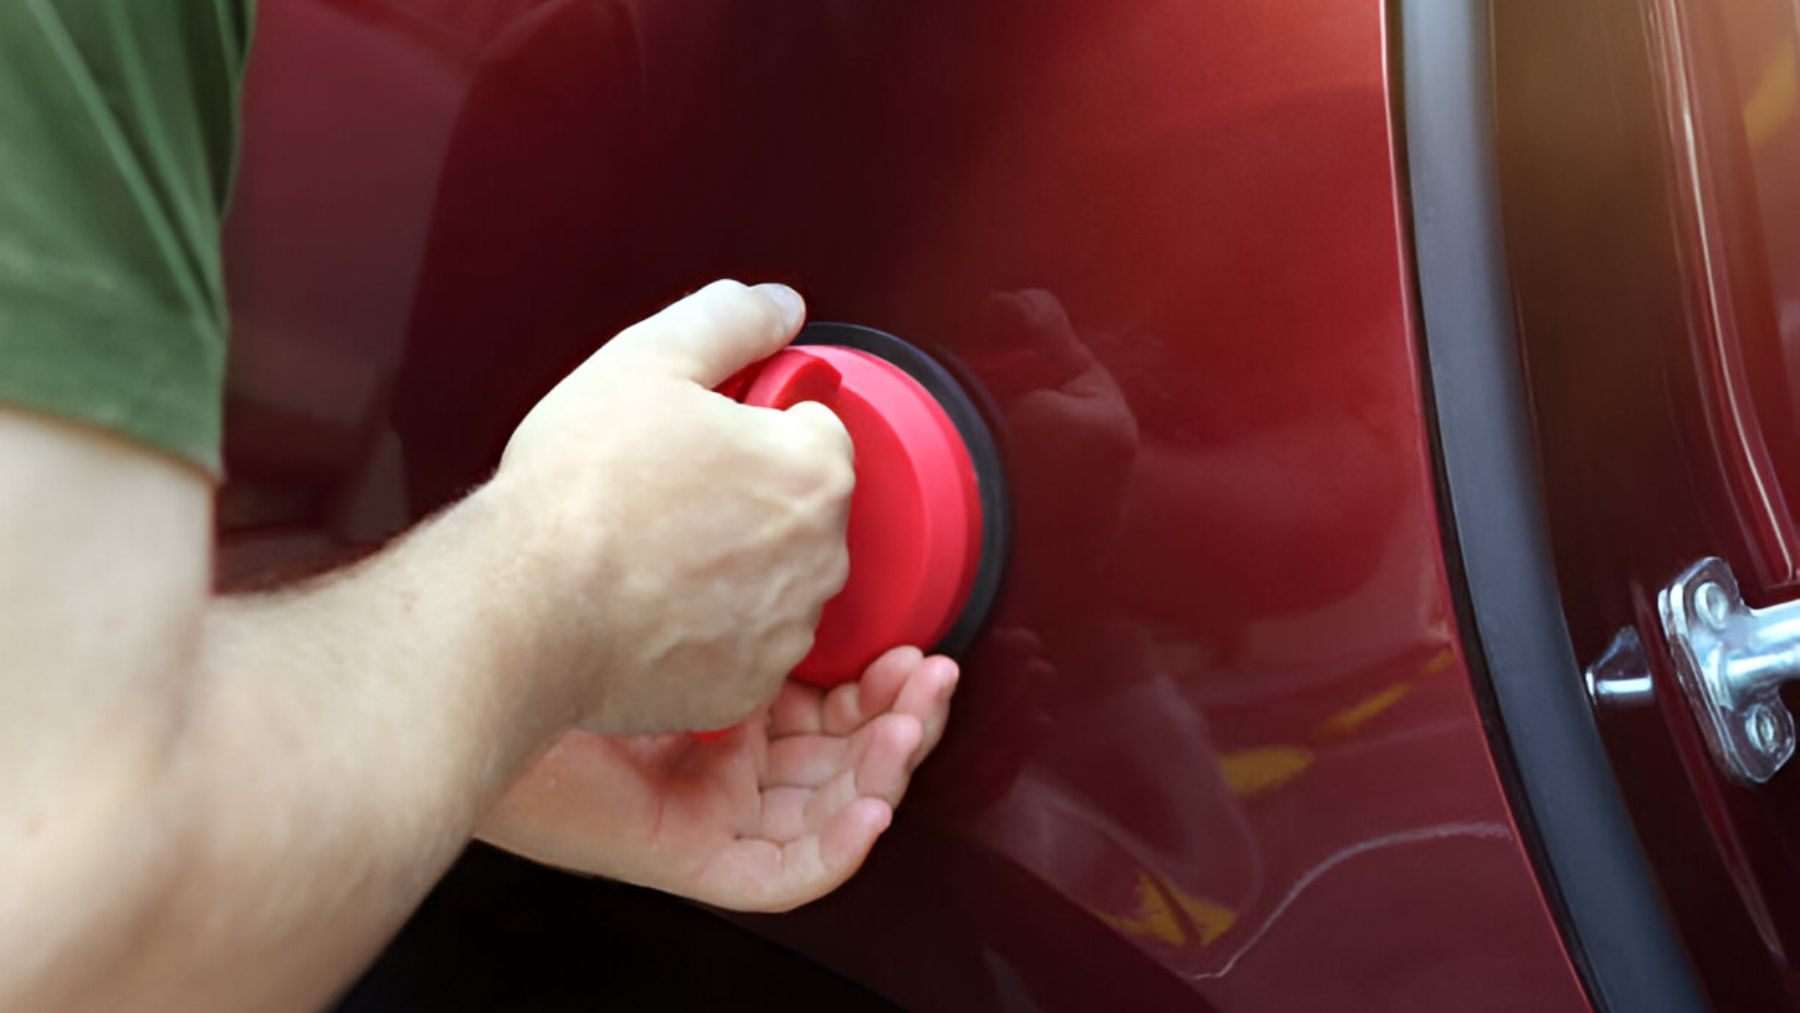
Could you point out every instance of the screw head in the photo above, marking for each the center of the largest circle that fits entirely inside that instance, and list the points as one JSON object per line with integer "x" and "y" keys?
{"x": 1712, "y": 605}
{"x": 1764, "y": 727}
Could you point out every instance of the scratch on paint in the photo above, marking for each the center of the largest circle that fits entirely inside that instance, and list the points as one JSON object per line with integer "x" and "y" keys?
{"x": 1421, "y": 835}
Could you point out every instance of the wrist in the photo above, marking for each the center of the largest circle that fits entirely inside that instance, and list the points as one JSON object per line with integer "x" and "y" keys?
{"x": 538, "y": 592}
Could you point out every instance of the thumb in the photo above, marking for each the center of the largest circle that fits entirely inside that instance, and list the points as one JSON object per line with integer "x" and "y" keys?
{"x": 715, "y": 332}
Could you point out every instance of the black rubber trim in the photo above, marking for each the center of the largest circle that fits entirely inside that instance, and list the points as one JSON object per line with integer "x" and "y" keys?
{"x": 984, "y": 453}
{"x": 1591, "y": 862}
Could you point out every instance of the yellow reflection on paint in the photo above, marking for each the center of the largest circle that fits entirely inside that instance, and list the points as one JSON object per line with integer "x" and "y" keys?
{"x": 1209, "y": 919}
{"x": 1363, "y": 711}
{"x": 1155, "y": 918}
{"x": 1771, "y": 105}
{"x": 1439, "y": 661}
{"x": 1265, "y": 768}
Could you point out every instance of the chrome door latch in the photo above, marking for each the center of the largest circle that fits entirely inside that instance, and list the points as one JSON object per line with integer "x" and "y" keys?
{"x": 1731, "y": 661}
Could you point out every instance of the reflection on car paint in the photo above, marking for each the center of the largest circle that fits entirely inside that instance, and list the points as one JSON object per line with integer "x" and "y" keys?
{"x": 1219, "y": 746}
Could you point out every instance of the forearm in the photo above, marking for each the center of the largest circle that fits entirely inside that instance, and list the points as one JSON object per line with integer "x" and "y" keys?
{"x": 230, "y": 802}
{"x": 345, "y": 738}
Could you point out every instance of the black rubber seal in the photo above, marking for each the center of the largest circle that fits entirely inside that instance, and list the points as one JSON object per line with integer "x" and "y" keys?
{"x": 1496, "y": 537}
{"x": 984, "y": 452}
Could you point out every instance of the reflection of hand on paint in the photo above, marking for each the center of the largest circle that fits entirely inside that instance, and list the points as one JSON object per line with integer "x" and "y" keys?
{"x": 1013, "y": 719}
{"x": 775, "y": 813}
{"x": 1071, "y": 438}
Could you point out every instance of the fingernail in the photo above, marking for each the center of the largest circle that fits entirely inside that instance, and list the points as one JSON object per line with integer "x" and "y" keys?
{"x": 793, "y": 308}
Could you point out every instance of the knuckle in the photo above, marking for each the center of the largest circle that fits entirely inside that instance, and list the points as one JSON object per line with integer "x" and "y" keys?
{"x": 712, "y": 307}
{"x": 841, "y": 481}
{"x": 797, "y": 432}
{"x": 629, "y": 339}
{"x": 768, "y": 315}
{"x": 837, "y": 571}
{"x": 823, "y": 425}
{"x": 712, "y": 312}
{"x": 725, "y": 286}
{"x": 730, "y": 297}
{"x": 788, "y": 648}
{"x": 822, "y": 471}
{"x": 730, "y": 306}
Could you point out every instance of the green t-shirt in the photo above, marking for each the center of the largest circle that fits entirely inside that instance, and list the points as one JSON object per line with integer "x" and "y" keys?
{"x": 118, "y": 133}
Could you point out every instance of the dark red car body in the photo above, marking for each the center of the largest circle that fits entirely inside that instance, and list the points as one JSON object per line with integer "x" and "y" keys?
{"x": 1225, "y": 744}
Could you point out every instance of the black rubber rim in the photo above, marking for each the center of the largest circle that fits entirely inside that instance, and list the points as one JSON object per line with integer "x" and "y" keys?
{"x": 984, "y": 452}
{"x": 1593, "y": 870}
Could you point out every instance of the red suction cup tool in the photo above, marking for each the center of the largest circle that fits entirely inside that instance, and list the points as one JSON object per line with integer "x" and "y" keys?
{"x": 915, "y": 518}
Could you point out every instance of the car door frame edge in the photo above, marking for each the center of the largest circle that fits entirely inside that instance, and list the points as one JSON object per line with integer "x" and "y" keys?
{"x": 1496, "y": 538}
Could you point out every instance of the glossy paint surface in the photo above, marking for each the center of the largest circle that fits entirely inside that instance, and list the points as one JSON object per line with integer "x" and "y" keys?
{"x": 1653, "y": 210}
{"x": 1218, "y": 748}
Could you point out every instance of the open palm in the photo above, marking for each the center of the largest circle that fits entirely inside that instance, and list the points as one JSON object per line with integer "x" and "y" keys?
{"x": 774, "y": 813}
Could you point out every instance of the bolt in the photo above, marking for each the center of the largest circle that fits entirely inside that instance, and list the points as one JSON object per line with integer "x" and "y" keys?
{"x": 1712, "y": 605}
{"x": 1764, "y": 728}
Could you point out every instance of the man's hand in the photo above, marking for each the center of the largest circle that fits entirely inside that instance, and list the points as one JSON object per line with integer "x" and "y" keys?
{"x": 682, "y": 544}
{"x": 230, "y": 803}
{"x": 778, "y": 812}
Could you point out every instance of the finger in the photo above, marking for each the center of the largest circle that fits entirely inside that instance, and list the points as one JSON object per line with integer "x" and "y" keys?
{"x": 926, "y": 697}
{"x": 881, "y": 771}
{"x": 926, "y": 686}
{"x": 807, "y": 761}
{"x": 886, "y": 676}
{"x": 825, "y": 424}
{"x": 917, "y": 688}
{"x": 816, "y": 864}
{"x": 850, "y": 706}
{"x": 882, "y": 768}
{"x": 756, "y": 874}
{"x": 796, "y": 711}
{"x": 848, "y": 836}
{"x": 821, "y": 452}
{"x": 746, "y": 875}
{"x": 715, "y": 332}
{"x": 828, "y": 799}
{"x": 786, "y": 814}
{"x": 842, "y": 712}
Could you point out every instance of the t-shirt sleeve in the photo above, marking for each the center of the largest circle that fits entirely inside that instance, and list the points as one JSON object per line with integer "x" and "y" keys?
{"x": 118, "y": 135}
